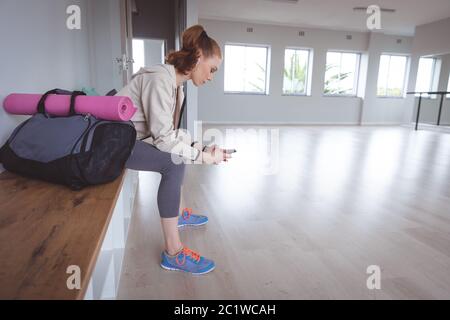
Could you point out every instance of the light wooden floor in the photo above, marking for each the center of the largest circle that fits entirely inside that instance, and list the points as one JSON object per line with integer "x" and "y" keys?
{"x": 343, "y": 198}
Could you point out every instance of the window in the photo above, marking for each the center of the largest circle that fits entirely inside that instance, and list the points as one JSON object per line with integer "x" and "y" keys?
{"x": 246, "y": 69}
{"x": 296, "y": 71}
{"x": 138, "y": 54}
{"x": 448, "y": 87}
{"x": 391, "y": 76}
{"x": 147, "y": 52}
{"x": 341, "y": 73}
{"x": 426, "y": 75}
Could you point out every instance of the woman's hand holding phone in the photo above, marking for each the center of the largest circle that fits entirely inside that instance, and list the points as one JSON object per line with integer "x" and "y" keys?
{"x": 214, "y": 155}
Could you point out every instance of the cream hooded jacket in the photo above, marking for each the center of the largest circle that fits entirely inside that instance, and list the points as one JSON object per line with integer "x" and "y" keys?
{"x": 155, "y": 94}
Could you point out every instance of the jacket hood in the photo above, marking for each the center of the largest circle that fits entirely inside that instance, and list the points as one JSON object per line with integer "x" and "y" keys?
{"x": 166, "y": 69}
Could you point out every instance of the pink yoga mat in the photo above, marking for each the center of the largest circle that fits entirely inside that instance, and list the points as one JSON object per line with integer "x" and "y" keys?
{"x": 104, "y": 107}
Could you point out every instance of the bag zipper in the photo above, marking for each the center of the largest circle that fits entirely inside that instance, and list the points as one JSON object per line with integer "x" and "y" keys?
{"x": 88, "y": 119}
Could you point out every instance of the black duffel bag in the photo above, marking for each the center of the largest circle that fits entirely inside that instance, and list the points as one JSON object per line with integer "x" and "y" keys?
{"x": 77, "y": 150}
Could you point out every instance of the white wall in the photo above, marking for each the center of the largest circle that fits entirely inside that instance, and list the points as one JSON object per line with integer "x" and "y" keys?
{"x": 192, "y": 91}
{"x": 103, "y": 26}
{"x": 216, "y": 106}
{"x": 38, "y": 52}
{"x": 432, "y": 38}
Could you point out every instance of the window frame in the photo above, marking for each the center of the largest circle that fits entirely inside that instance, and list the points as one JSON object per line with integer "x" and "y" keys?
{"x": 267, "y": 73}
{"x": 355, "y": 81}
{"x": 309, "y": 73}
{"x": 403, "y": 95}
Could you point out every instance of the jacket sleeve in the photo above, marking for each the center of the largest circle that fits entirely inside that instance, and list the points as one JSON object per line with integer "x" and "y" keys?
{"x": 157, "y": 101}
{"x": 184, "y": 136}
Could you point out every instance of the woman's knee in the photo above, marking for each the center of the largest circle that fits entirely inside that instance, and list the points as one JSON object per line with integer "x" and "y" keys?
{"x": 174, "y": 169}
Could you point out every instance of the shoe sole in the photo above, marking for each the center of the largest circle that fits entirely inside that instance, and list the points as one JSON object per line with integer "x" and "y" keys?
{"x": 192, "y": 224}
{"x": 194, "y": 273}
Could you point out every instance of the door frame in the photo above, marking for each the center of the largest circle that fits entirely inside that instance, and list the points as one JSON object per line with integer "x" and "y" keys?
{"x": 126, "y": 38}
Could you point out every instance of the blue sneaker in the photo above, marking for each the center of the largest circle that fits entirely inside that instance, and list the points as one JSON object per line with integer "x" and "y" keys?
{"x": 187, "y": 261}
{"x": 189, "y": 219}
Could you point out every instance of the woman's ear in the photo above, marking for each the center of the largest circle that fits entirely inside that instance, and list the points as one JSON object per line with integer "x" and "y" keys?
{"x": 200, "y": 58}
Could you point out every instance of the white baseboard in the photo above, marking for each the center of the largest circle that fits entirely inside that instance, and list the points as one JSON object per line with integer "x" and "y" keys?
{"x": 382, "y": 123}
{"x": 280, "y": 123}
{"x": 441, "y": 128}
{"x": 296, "y": 123}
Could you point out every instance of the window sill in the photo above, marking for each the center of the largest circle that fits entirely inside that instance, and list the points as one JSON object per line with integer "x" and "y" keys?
{"x": 339, "y": 96}
{"x": 295, "y": 95}
{"x": 247, "y": 93}
{"x": 391, "y": 97}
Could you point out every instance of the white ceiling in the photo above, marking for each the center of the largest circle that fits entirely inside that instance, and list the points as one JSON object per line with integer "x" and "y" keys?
{"x": 329, "y": 14}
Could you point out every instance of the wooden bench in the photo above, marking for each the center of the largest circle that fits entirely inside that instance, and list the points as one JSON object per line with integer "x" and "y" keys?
{"x": 46, "y": 228}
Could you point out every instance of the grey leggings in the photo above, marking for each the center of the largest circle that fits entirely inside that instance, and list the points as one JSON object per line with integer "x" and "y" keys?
{"x": 146, "y": 157}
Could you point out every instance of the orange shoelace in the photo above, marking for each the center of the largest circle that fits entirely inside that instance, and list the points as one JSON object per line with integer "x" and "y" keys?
{"x": 186, "y": 213}
{"x": 187, "y": 252}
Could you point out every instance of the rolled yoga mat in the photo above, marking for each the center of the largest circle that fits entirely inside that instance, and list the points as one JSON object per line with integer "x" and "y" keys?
{"x": 104, "y": 107}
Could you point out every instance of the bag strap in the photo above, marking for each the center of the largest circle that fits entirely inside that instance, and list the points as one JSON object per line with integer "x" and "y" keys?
{"x": 72, "y": 101}
{"x": 111, "y": 92}
{"x": 1, "y": 152}
{"x": 41, "y": 103}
